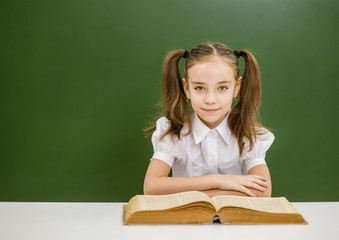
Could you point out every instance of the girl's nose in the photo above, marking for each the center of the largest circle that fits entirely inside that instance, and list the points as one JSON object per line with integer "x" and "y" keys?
{"x": 210, "y": 98}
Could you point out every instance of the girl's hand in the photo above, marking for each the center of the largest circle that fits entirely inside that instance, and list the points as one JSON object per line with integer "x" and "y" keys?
{"x": 242, "y": 183}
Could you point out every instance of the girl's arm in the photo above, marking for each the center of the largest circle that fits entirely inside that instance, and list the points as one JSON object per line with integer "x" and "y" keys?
{"x": 261, "y": 170}
{"x": 157, "y": 181}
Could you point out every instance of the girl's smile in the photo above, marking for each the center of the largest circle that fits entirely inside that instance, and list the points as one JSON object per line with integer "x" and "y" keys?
{"x": 210, "y": 110}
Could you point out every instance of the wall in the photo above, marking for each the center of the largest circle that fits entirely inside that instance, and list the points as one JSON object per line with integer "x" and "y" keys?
{"x": 80, "y": 79}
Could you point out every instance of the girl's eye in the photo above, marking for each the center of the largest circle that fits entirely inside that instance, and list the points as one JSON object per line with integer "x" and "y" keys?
{"x": 199, "y": 88}
{"x": 223, "y": 88}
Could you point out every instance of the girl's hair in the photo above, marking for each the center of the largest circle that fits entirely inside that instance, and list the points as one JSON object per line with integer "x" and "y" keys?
{"x": 244, "y": 119}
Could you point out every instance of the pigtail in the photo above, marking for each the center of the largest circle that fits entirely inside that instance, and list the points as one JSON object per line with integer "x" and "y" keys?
{"x": 175, "y": 105}
{"x": 245, "y": 114}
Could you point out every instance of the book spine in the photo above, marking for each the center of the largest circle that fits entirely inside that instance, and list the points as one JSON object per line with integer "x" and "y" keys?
{"x": 216, "y": 219}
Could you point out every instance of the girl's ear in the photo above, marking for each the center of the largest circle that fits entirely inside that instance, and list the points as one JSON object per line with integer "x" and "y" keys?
{"x": 237, "y": 86}
{"x": 186, "y": 89}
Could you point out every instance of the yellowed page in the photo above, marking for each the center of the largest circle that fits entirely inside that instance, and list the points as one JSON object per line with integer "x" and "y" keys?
{"x": 234, "y": 201}
{"x": 273, "y": 205}
{"x": 161, "y": 202}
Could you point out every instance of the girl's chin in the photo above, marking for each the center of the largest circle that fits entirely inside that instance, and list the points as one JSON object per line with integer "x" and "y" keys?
{"x": 211, "y": 123}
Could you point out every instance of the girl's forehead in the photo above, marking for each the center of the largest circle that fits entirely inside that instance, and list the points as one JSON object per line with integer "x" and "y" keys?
{"x": 214, "y": 67}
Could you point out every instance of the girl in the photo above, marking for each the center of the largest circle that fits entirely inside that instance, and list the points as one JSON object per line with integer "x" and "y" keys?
{"x": 216, "y": 149}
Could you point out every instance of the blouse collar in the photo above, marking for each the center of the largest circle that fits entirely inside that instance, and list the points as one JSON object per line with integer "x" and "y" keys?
{"x": 200, "y": 130}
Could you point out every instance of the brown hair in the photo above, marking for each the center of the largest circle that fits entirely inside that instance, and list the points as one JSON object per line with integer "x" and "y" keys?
{"x": 244, "y": 118}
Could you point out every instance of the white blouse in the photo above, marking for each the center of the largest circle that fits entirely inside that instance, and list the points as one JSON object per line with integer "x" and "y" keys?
{"x": 205, "y": 151}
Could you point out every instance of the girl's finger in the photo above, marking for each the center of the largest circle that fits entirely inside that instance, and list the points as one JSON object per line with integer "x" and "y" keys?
{"x": 258, "y": 187}
{"x": 245, "y": 190}
{"x": 262, "y": 183}
{"x": 260, "y": 177}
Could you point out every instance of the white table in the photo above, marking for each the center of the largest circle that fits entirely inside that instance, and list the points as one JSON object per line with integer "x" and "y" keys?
{"x": 49, "y": 221}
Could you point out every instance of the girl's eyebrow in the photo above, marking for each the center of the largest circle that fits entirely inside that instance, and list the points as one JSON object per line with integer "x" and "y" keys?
{"x": 221, "y": 82}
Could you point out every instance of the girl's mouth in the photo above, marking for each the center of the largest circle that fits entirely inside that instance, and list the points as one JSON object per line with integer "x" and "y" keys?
{"x": 210, "y": 110}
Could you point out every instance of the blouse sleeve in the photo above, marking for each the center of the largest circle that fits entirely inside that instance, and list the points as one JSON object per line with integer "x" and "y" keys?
{"x": 164, "y": 149}
{"x": 256, "y": 156}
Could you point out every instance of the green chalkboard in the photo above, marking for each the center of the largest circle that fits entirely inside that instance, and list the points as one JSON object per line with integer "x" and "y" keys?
{"x": 80, "y": 79}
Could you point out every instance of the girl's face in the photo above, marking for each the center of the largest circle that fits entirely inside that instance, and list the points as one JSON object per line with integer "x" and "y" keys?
{"x": 211, "y": 88}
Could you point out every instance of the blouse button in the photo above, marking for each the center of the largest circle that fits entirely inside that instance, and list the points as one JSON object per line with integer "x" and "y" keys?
{"x": 213, "y": 133}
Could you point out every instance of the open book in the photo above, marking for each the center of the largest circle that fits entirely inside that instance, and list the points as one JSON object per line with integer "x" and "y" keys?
{"x": 197, "y": 208}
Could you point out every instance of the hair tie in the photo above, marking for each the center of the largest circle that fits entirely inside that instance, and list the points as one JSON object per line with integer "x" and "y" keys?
{"x": 186, "y": 53}
{"x": 236, "y": 53}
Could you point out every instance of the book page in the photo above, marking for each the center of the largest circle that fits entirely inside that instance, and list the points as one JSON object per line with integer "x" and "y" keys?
{"x": 273, "y": 205}
{"x": 161, "y": 202}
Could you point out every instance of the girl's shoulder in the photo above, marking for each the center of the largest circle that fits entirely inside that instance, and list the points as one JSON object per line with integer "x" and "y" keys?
{"x": 263, "y": 140}
{"x": 264, "y": 134}
{"x": 162, "y": 126}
